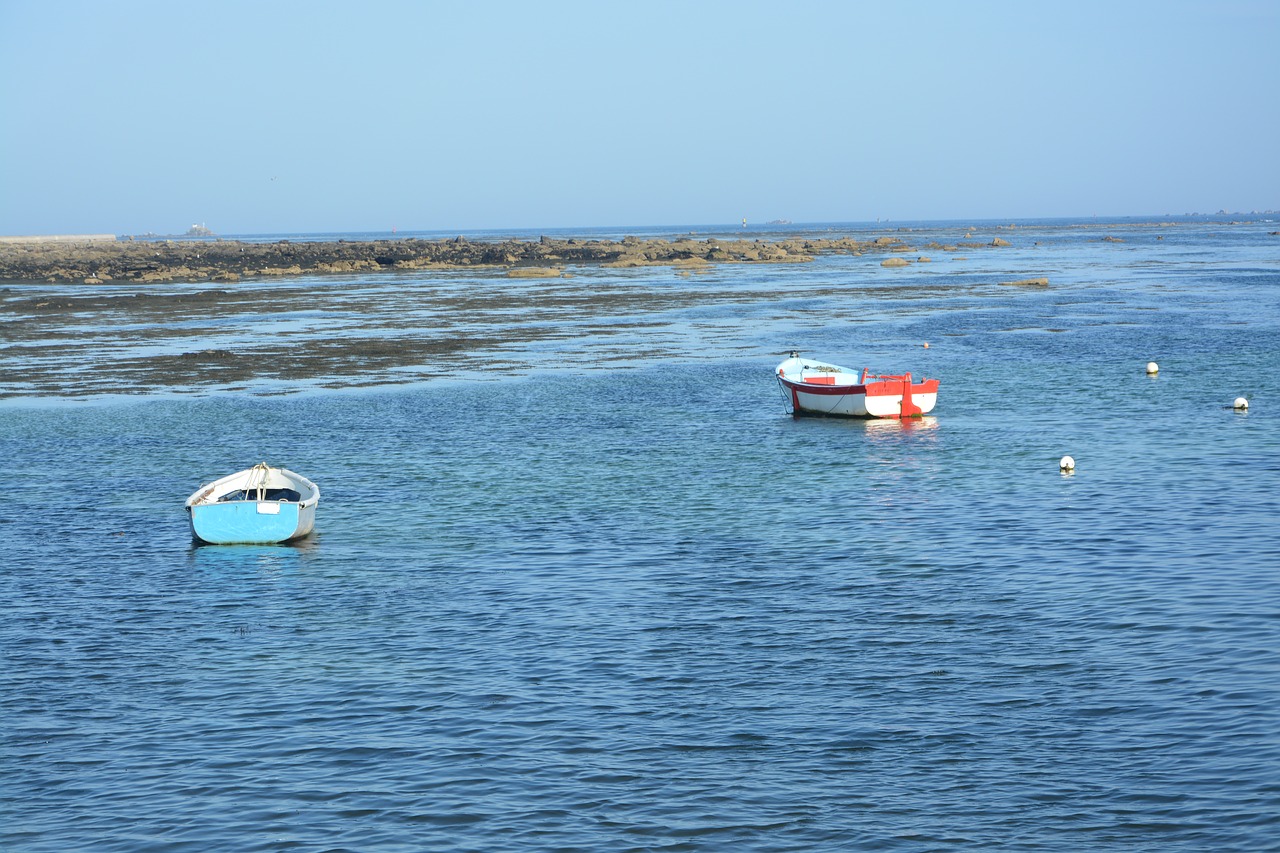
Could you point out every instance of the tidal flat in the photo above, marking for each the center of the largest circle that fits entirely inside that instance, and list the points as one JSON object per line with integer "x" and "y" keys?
{"x": 149, "y": 261}
{"x": 136, "y": 317}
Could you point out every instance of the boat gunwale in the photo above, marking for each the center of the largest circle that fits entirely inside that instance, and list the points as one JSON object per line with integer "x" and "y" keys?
{"x": 207, "y": 494}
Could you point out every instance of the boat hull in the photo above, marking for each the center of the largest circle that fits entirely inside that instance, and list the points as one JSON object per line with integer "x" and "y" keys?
{"x": 257, "y": 506}
{"x": 251, "y": 522}
{"x": 816, "y": 388}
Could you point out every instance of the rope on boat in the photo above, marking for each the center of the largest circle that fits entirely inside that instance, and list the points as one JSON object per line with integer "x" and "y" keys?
{"x": 262, "y": 471}
{"x": 786, "y": 401}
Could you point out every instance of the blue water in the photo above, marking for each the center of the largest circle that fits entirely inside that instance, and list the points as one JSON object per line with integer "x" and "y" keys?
{"x": 634, "y": 605}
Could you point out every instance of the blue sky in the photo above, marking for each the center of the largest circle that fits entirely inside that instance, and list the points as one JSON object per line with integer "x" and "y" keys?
{"x": 266, "y": 117}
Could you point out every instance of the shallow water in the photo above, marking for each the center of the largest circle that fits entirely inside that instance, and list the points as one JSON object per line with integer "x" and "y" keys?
{"x": 632, "y": 604}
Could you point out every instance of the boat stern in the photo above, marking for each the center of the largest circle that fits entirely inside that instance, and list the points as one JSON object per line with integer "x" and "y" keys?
{"x": 250, "y": 522}
{"x": 901, "y": 397}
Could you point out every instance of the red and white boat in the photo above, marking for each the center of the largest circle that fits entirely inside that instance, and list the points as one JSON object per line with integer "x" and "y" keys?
{"x": 818, "y": 388}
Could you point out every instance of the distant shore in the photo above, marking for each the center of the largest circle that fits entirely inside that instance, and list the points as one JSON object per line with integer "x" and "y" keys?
{"x": 82, "y": 319}
{"x": 95, "y": 261}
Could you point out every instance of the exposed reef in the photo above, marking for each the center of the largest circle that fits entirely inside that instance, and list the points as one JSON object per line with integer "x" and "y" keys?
{"x": 100, "y": 262}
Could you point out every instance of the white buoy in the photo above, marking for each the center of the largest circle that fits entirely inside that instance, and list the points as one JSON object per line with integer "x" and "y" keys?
{"x": 1240, "y": 403}
{"x": 1067, "y": 464}
{"x": 1152, "y": 368}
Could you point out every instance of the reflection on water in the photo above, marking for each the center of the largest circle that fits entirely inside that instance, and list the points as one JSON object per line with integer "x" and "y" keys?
{"x": 265, "y": 558}
{"x": 895, "y": 428}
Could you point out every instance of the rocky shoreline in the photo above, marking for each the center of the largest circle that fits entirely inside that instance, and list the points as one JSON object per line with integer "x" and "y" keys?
{"x": 92, "y": 317}
{"x": 100, "y": 262}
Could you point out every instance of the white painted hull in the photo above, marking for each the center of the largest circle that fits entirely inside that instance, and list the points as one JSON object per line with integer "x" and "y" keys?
{"x": 818, "y": 388}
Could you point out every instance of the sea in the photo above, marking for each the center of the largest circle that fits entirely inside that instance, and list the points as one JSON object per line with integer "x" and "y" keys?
{"x": 615, "y": 597}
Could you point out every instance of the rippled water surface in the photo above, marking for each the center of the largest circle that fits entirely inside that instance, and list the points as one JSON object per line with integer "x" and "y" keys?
{"x": 633, "y": 604}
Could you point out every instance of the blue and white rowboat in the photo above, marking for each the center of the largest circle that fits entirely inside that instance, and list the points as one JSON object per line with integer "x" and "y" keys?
{"x": 258, "y": 506}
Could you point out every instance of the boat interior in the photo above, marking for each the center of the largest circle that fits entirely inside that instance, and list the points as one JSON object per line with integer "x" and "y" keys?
{"x": 261, "y": 495}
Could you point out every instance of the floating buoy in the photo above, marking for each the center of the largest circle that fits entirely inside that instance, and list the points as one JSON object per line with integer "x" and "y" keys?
{"x": 1066, "y": 463}
{"x": 926, "y": 344}
{"x": 1240, "y": 403}
{"x": 1152, "y": 368}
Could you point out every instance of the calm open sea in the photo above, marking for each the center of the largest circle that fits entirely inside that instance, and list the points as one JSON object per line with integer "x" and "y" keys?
{"x": 633, "y": 605}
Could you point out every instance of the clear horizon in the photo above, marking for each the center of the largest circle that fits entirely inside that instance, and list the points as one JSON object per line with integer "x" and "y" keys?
{"x": 710, "y": 227}
{"x": 288, "y": 117}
